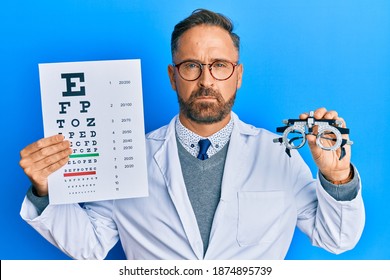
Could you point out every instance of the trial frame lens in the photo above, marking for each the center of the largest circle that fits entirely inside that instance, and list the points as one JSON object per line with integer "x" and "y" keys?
{"x": 220, "y": 70}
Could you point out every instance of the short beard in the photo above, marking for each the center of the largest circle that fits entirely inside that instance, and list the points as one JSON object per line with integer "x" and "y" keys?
{"x": 206, "y": 112}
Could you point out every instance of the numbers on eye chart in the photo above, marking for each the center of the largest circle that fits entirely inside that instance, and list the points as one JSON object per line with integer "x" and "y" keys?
{"x": 123, "y": 144}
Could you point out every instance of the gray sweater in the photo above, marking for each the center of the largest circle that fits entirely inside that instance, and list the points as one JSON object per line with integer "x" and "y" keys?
{"x": 203, "y": 180}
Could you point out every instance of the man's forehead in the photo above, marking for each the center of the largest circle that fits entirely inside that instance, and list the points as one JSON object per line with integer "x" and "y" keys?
{"x": 205, "y": 31}
{"x": 206, "y": 38}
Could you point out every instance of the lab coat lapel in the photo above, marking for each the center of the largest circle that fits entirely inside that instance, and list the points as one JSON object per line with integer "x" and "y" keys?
{"x": 167, "y": 159}
{"x": 237, "y": 160}
{"x": 237, "y": 169}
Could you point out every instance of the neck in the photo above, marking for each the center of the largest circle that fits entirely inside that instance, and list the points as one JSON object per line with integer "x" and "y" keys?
{"x": 204, "y": 129}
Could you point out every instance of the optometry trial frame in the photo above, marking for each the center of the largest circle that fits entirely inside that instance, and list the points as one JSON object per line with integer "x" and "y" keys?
{"x": 328, "y": 137}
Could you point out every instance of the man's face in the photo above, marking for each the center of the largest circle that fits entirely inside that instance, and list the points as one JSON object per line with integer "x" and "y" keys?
{"x": 205, "y": 100}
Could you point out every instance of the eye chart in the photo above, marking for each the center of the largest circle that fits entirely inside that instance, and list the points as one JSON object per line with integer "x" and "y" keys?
{"x": 97, "y": 106}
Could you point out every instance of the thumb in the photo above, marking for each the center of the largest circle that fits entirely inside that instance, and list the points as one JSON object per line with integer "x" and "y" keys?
{"x": 315, "y": 150}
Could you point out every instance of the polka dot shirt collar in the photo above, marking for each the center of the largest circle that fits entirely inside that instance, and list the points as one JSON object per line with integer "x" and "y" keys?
{"x": 190, "y": 140}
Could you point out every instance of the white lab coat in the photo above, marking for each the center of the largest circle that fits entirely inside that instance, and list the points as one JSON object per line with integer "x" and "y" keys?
{"x": 265, "y": 195}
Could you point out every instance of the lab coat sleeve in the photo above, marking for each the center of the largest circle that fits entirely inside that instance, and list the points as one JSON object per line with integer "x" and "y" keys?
{"x": 339, "y": 224}
{"x": 333, "y": 225}
{"x": 81, "y": 233}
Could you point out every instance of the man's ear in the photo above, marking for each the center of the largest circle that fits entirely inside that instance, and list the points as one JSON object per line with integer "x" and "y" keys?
{"x": 240, "y": 72}
{"x": 171, "y": 74}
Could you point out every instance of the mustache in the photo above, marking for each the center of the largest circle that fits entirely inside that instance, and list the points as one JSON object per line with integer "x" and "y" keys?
{"x": 205, "y": 92}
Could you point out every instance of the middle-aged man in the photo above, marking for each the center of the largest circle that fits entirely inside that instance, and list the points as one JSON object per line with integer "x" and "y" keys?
{"x": 236, "y": 195}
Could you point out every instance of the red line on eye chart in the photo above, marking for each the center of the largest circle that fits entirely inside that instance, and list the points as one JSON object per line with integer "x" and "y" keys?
{"x": 79, "y": 173}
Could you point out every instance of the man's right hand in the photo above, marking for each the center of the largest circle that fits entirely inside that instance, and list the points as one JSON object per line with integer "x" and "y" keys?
{"x": 42, "y": 158}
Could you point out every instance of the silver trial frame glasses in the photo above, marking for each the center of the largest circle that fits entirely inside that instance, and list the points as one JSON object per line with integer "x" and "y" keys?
{"x": 328, "y": 137}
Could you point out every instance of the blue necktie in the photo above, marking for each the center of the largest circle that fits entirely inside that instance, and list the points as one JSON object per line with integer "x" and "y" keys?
{"x": 204, "y": 144}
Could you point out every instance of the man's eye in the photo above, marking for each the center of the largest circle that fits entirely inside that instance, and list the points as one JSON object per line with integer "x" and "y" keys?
{"x": 191, "y": 65}
{"x": 219, "y": 64}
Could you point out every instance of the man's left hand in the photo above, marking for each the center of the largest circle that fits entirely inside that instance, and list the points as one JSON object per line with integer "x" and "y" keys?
{"x": 334, "y": 170}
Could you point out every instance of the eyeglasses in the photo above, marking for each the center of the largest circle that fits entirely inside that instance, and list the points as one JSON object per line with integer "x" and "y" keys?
{"x": 221, "y": 70}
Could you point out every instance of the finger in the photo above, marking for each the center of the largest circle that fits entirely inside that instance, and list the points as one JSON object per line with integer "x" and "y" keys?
{"x": 39, "y": 172}
{"x": 320, "y": 113}
{"x": 315, "y": 150}
{"x": 32, "y": 158}
{"x": 45, "y": 162}
{"x": 40, "y": 144}
{"x": 317, "y": 114}
{"x": 39, "y": 177}
{"x": 304, "y": 116}
{"x": 311, "y": 139}
{"x": 331, "y": 115}
{"x": 343, "y": 122}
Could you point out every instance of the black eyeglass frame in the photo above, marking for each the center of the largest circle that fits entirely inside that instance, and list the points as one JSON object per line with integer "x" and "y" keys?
{"x": 201, "y": 65}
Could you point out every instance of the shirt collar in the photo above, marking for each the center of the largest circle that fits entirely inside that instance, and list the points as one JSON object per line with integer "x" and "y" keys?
{"x": 190, "y": 140}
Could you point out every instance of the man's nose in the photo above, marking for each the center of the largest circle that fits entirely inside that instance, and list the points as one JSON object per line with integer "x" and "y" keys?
{"x": 206, "y": 79}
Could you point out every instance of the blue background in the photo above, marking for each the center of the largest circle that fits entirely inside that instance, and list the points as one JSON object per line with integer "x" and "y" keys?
{"x": 298, "y": 55}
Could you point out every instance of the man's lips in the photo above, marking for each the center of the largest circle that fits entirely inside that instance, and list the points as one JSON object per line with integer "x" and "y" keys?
{"x": 206, "y": 98}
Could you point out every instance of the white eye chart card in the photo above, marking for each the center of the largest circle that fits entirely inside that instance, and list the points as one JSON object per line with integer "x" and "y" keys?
{"x": 97, "y": 106}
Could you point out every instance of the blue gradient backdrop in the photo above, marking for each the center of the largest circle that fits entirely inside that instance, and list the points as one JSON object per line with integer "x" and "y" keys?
{"x": 298, "y": 55}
